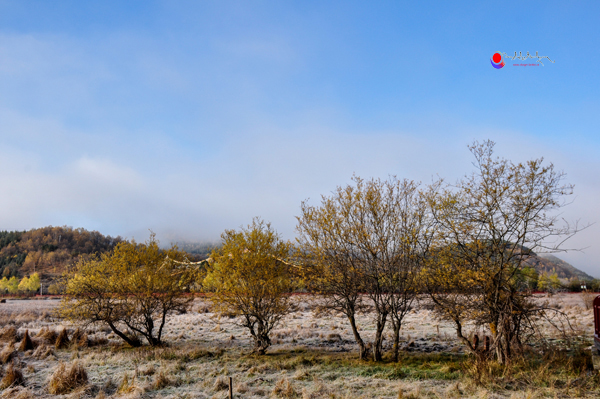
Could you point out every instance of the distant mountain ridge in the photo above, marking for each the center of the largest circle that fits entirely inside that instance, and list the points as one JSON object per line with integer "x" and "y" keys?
{"x": 547, "y": 263}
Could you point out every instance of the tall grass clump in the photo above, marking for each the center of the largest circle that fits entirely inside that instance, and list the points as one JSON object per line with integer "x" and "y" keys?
{"x": 568, "y": 372}
{"x": 66, "y": 379}
{"x": 26, "y": 343}
{"x": 12, "y": 377}
{"x": 62, "y": 341}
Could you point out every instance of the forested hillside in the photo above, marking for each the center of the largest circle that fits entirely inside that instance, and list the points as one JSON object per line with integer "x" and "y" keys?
{"x": 48, "y": 250}
{"x": 548, "y": 263}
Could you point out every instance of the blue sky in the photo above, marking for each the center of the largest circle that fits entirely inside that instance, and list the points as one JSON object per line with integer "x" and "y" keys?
{"x": 192, "y": 117}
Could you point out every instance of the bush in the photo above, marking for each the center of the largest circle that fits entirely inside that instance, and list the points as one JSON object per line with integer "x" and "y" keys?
{"x": 66, "y": 379}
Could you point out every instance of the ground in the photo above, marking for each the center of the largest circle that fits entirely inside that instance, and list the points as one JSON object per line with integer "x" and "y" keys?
{"x": 313, "y": 356}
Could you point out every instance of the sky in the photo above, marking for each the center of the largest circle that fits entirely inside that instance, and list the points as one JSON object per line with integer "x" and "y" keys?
{"x": 192, "y": 117}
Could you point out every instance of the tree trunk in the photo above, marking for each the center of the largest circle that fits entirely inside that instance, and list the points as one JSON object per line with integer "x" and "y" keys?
{"x": 396, "y": 348}
{"x": 261, "y": 338}
{"x": 377, "y": 345}
{"x": 130, "y": 342}
{"x": 364, "y": 352}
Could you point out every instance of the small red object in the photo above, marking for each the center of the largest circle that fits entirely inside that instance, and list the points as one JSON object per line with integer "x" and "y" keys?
{"x": 597, "y": 322}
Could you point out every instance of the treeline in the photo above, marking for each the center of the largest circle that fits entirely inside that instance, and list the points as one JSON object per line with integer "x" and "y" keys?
{"x": 374, "y": 246}
{"x": 48, "y": 250}
{"x": 550, "y": 282}
{"x": 27, "y": 285}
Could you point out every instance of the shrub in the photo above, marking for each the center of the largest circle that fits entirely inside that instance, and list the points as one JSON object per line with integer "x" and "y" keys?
{"x": 66, "y": 379}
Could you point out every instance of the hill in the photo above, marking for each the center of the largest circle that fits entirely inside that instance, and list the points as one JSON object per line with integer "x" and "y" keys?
{"x": 548, "y": 263}
{"x": 49, "y": 250}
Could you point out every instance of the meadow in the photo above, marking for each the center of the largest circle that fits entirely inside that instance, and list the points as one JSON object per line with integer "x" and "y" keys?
{"x": 313, "y": 356}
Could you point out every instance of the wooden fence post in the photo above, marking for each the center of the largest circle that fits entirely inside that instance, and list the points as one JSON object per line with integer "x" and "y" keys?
{"x": 230, "y": 388}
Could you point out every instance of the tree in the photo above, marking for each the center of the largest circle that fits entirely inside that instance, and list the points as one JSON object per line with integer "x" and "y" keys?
{"x": 30, "y": 284}
{"x": 368, "y": 237}
{"x": 527, "y": 278}
{"x": 34, "y": 282}
{"x": 132, "y": 290}
{"x": 24, "y": 284}
{"x": 550, "y": 282}
{"x": 13, "y": 285}
{"x": 488, "y": 225}
{"x": 250, "y": 277}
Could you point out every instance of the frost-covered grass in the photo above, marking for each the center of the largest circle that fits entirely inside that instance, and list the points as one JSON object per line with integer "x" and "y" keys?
{"x": 313, "y": 356}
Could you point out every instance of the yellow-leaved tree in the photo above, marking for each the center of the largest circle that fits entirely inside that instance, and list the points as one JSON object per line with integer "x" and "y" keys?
{"x": 12, "y": 285}
{"x": 30, "y": 284}
{"x": 488, "y": 226}
{"x": 367, "y": 240}
{"x": 250, "y": 277}
{"x": 549, "y": 282}
{"x": 132, "y": 290}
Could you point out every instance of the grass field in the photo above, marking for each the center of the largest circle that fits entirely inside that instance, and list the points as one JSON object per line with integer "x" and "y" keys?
{"x": 313, "y": 356}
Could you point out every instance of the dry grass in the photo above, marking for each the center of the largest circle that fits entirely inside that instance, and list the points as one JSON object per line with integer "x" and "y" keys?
{"x": 17, "y": 393}
{"x": 314, "y": 357}
{"x": 43, "y": 352}
{"x": 62, "y": 341}
{"x": 66, "y": 379}
{"x": 284, "y": 389}
{"x": 127, "y": 385}
{"x": 221, "y": 383}
{"x": 12, "y": 377}
{"x": 26, "y": 343}
{"x": 588, "y": 299}
{"x": 161, "y": 381}
{"x": 8, "y": 353}
{"x": 9, "y": 334}
{"x": 559, "y": 372}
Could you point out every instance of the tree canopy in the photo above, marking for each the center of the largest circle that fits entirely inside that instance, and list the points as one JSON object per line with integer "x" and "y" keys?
{"x": 132, "y": 289}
